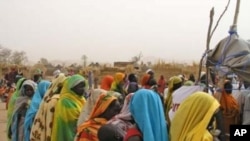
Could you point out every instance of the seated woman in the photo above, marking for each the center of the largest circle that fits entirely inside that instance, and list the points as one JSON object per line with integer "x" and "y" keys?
{"x": 147, "y": 112}
{"x": 105, "y": 108}
{"x": 191, "y": 121}
{"x": 21, "y": 107}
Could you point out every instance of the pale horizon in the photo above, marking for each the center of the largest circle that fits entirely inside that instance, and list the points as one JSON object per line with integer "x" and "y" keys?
{"x": 115, "y": 30}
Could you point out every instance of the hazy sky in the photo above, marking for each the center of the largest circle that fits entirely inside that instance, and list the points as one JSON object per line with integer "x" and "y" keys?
{"x": 108, "y": 30}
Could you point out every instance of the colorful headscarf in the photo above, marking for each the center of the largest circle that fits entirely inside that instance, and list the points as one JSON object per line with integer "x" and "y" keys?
{"x": 168, "y": 103}
{"x": 43, "y": 122}
{"x": 147, "y": 111}
{"x": 67, "y": 110}
{"x": 12, "y": 102}
{"x": 192, "y": 118}
{"x": 17, "y": 125}
{"x": 86, "y": 110}
{"x": 145, "y": 80}
{"x": 88, "y": 130}
{"x": 119, "y": 77}
{"x": 107, "y": 82}
{"x": 34, "y": 106}
{"x": 122, "y": 121}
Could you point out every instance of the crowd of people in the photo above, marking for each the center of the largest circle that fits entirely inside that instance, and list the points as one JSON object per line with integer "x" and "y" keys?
{"x": 124, "y": 108}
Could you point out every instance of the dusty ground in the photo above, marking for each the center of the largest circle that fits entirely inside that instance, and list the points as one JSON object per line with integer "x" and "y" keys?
{"x": 3, "y": 121}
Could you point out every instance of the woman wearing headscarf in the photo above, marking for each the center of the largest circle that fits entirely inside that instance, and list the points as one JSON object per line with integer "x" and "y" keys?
{"x": 175, "y": 83}
{"x": 161, "y": 85}
{"x": 43, "y": 122}
{"x": 192, "y": 118}
{"x": 86, "y": 110}
{"x": 145, "y": 80}
{"x": 107, "y": 82}
{"x": 11, "y": 104}
{"x": 148, "y": 114}
{"x": 34, "y": 105}
{"x": 105, "y": 108}
{"x": 68, "y": 108}
{"x": 181, "y": 94}
{"x": 229, "y": 107}
{"x": 118, "y": 83}
{"x": 21, "y": 106}
{"x": 121, "y": 122}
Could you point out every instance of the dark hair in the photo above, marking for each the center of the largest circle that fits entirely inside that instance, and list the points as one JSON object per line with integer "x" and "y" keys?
{"x": 177, "y": 86}
{"x": 132, "y": 78}
{"x": 191, "y": 77}
{"x": 228, "y": 87}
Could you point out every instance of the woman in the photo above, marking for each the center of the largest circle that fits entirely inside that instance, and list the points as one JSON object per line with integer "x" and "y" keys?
{"x": 86, "y": 110}
{"x": 43, "y": 122}
{"x": 34, "y": 105}
{"x": 229, "y": 106}
{"x": 21, "y": 106}
{"x": 148, "y": 114}
{"x": 118, "y": 83}
{"x": 145, "y": 80}
{"x": 105, "y": 108}
{"x": 107, "y": 82}
{"x": 11, "y": 104}
{"x": 192, "y": 118}
{"x": 68, "y": 108}
{"x": 175, "y": 83}
{"x": 123, "y": 121}
{"x": 161, "y": 84}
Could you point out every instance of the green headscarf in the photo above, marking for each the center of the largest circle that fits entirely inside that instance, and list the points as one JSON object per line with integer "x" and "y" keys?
{"x": 12, "y": 102}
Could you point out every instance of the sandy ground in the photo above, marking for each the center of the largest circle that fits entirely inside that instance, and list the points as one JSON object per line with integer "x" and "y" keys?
{"x": 3, "y": 121}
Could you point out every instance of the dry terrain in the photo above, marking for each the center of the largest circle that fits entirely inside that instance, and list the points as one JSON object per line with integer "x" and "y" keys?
{"x": 3, "y": 121}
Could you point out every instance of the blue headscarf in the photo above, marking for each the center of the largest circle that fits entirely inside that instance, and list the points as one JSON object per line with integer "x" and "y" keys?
{"x": 147, "y": 110}
{"x": 34, "y": 106}
{"x": 17, "y": 124}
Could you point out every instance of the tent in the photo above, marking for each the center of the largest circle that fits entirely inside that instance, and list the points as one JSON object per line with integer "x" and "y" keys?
{"x": 231, "y": 55}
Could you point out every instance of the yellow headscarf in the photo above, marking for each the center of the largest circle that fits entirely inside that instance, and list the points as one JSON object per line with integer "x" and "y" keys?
{"x": 168, "y": 103}
{"x": 192, "y": 118}
{"x": 117, "y": 79}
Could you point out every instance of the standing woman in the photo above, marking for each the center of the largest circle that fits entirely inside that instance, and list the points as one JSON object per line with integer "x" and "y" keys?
{"x": 34, "y": 105}
{"x": 11, "y": 104}
{"x": 68, "y": 108}
{"x": 45, "y": 114}
{"x": 118, "y": 83}
{"x": 21, "y": 106}
{"x": 147, "y": 111}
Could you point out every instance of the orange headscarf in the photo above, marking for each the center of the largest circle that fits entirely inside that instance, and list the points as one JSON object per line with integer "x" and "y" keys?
{"x": 107, "y": 82}
{"x": 144, "y": 81}
{"x": 88, "y": 130}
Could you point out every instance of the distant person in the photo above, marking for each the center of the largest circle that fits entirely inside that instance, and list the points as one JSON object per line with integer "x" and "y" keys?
{"x": 161, "y": 84}
{"x": 106, "y": 82}
{"x": 118, "y": 83}
{"x": 191, "y": 77}
{"x": 38, "y": 76}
